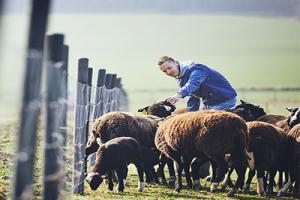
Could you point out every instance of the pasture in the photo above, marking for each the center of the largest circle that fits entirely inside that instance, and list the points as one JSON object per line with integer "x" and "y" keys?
{"x": 249, "y": 51}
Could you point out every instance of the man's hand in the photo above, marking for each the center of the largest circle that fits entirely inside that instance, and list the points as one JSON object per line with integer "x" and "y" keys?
{"x": 174, "y": 99}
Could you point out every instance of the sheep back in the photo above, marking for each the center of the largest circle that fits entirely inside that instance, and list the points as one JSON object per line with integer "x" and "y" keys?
{"x": 208, "y": 132}
{"x": 272, "y": 119}
{"x": 268, "y": 143}
{"x": 118, "y": 124}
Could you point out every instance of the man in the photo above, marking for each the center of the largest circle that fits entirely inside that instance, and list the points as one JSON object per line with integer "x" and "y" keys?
{"x": 198, "y": 81}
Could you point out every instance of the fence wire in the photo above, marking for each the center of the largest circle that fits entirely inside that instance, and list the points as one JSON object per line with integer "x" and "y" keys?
{"x": 69, "y": 150}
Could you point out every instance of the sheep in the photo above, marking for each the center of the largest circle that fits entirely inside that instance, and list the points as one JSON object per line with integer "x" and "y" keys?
{"x": 294, "y": 135}
{"x": 162, "y": 109}
{"x": 159, "y": 109}
{"x": 118, "y": 124}
{"x": 272, "y": 150}
{"x": 256, "y": 111}
{"x": 116, "y": 154}
{"x": 213, "y": 135}
{"x": 294, "y": 118}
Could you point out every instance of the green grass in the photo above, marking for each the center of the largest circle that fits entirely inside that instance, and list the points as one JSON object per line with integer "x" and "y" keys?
{"x": 152, "y": 191}
{"x": 249, "y": 51}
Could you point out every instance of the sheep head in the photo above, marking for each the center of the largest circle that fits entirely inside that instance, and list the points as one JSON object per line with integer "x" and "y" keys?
{"x": 159, "y": 109}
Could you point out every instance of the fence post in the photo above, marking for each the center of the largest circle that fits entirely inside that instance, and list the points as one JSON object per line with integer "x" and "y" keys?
{"x": 99, "y": 105}
{"x": 23, "y": 183}
{"x": 100, "y": 91}
{"x": 53, "y": 171}
{"x": 63, "y": 126}
{"x": 90, "y": 78}
{"x": 113, "y": 93}
{"x": 107, "y": 97}
{"x": 80, "y": 126}
{"x": 64, "y": 115}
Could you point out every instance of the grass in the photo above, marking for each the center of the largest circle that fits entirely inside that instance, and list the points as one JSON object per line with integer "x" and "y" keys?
{"x": 249, "y": 51}
{"x": 152, "y": 191}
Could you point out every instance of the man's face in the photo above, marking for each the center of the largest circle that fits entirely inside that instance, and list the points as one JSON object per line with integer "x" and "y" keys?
{"x": 169, "y": 68}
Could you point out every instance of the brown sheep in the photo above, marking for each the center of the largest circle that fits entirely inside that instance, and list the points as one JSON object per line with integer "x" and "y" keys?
{"x": 294, "y": 135}
{"x": 209, "y": 135}
{"x": 271, "y": 148}
{"x": 272, "y": 119}
{"x": 121, "y": 124}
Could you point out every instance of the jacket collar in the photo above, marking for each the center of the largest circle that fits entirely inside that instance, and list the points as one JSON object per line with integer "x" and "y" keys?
{"x": 183, "y": 66}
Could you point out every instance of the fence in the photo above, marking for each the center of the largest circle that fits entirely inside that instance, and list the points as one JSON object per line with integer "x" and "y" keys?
{"x": 91, "y": 102}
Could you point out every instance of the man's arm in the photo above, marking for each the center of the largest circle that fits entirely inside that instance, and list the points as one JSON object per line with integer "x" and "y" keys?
{"x": 197, "y": 77}
{"x": 193, "y": 104}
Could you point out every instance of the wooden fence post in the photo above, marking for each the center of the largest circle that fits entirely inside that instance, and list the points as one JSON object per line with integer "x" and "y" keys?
{"x": 99, "y": 93}
{"x": 53, "y": 171}
{"x": 99, "y": 105}
{"x": 113, "y": 93}
{"x": 80, "y": 126}
{"x": 25, "y": 156}
{"x": 90, "y": 78}
{"x": 64, "y": 115}
{"x": 107, "y": 95}
{"x": 63, "y": 126}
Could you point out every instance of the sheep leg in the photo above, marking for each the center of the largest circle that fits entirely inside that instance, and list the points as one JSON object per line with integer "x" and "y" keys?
{"x": 285, "y": 187}
{"x": 260, "y": 182}
{"x": 179, "y": 168}
{"x": 140, "y": 171}
{"x": 280, "y": 179}
{"x": 240, "y": 170}
{"x": 170, "y": 164}
{"x": 160, "y": 170}
{"x": 221, "y": 169}
{"x": 120, "y": 173}
{"x": 196, "y": 164}
{"x": 272, "y": 174}
{"x": 186, "y": 164}
{"x": 227, "y": 180}
{"x": 110, "y": 181}
{"x": 154, "y": 175}
{"x": 251, "y": 174}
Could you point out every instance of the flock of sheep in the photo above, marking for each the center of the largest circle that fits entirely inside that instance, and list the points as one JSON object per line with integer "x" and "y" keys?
{"x": 236, "y": 139}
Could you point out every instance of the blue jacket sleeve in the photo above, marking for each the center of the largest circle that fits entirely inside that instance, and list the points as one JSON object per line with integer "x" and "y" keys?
{"x": 193, "y": 104}
{"x": 197, "y": 76}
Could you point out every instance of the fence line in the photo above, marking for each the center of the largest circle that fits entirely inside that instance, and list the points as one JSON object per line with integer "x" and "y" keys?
{"x": 91, "y": 102}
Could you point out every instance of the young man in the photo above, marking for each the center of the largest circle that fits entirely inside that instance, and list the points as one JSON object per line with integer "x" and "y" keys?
{"x": 198, "y": 81}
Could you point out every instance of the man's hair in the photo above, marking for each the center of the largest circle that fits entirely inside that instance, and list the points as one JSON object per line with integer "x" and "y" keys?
{"x": 164, "y": 59}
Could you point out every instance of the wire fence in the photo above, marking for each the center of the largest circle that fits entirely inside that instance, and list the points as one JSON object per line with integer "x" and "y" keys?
{"x": 65, "y": 122}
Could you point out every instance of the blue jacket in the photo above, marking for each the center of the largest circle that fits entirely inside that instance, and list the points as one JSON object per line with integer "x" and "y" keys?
{"x": 199, "y": 81}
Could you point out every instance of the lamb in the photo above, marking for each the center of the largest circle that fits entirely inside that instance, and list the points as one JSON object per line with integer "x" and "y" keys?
{"x": 213, "y": 135}
{"x": 116, "y": 154}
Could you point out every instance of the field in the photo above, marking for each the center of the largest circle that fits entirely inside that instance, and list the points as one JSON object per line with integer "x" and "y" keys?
{"x": 249, "y": 51}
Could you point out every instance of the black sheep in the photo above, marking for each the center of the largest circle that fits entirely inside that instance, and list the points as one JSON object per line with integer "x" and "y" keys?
{"x": 116, "y": 154}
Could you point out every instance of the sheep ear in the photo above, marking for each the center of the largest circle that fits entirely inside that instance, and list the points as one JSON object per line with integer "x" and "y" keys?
{"x": 143, "y": 109}
{"x": 243, "y": 102}
{"x": 98, "y": 140}
{"x": 291, "y": 109}
{"x": 90, "y": 176}
{"x": 168, "y": 108}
